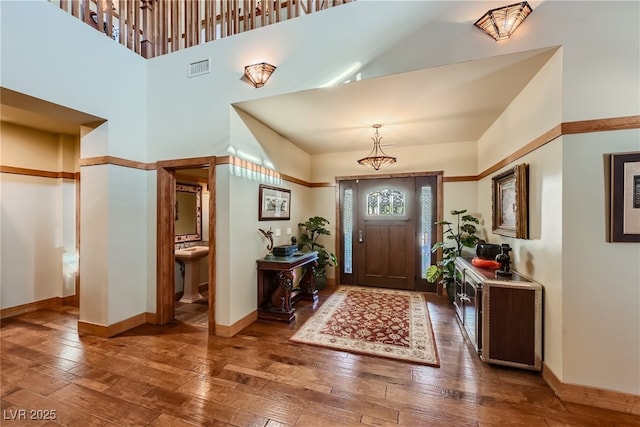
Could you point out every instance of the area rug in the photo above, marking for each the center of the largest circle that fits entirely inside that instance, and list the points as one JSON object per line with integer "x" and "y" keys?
{"x": 373, "y": 321}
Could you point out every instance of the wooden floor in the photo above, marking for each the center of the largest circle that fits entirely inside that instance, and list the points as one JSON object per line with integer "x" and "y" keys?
{"x": 177, "y": 375}
{"x": 196, "y": 313}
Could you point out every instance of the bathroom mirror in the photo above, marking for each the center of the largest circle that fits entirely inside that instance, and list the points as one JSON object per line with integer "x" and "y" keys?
{"x": 188, "y": 213}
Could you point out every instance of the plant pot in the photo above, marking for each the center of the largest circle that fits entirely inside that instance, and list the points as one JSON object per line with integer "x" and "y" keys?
{"x": 321, "y": 282}
{"x": 451, "y": 293}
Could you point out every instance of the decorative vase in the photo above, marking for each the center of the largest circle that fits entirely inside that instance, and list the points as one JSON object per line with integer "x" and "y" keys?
{"x": 504, "y": 259}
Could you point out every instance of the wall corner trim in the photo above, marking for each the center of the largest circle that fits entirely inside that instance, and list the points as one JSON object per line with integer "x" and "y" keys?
{"x": 104, "y": 331}
{"x": 229, "y": 331}
{"x": 592, "y": 396}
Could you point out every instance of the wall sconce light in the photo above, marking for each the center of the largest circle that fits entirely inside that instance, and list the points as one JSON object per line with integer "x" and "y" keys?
{"x": 258, "y": 74}
{"x": 377, "y": 159}
{"x": 500, "y": 23}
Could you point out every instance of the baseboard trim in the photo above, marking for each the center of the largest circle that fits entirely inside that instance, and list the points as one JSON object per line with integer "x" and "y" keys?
{"x": 88, "y": 328}
{"x": 69, "y": 300}
{"x": 151, "y": 318}
{"x": 32, "y": 306}
{"x": 592, "y": 396}
{"x": 229, "y": 331}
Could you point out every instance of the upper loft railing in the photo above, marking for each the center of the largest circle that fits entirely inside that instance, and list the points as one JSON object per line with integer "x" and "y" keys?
{"x": 155, "y": 27}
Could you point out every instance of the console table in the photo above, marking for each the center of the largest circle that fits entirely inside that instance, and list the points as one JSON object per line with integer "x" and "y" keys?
{"x": 277, "y": 292}
{"x": 502, "y": 317}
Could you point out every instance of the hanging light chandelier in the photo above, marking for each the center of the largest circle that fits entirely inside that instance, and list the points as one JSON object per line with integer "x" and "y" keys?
{"x": 500, "y": 23}
{"x": 377, "y": 159}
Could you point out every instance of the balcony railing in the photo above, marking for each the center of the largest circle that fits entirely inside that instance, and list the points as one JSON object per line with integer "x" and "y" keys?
{"x": 155, "y": 27}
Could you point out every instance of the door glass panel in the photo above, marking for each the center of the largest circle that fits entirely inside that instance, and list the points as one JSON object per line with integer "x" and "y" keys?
{"x": 347, "y": 230}
{"x": 426, "y": 221}
{"x": 386, "y": 202}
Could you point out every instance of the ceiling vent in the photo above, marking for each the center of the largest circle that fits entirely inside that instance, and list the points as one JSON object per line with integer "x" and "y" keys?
{"x": 200, "y": 67}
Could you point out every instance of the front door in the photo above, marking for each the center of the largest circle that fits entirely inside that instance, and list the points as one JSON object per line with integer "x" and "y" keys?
{"x": 387, "y": 229}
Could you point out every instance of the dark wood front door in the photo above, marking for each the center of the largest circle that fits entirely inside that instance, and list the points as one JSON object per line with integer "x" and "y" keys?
{"x": 385, "y": 232}
{"x": 386, "y": 228}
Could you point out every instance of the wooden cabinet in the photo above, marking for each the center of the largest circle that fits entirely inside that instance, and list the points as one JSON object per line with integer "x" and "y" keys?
{"x": 502, "y": 317}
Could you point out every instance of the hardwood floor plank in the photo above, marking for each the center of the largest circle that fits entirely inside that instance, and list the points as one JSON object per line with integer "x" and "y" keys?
{"x": 278, "y": 378}
{"x": 104, "y": 406}
{"x": 32, "y": 379}
{"x": 165, "y": 420}
{"x": 178, "y": 375}
{"x": 330, "y": 403}
{"x": 59, "y": 412}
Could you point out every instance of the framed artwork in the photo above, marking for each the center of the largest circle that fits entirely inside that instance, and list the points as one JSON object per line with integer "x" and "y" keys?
{"x": 624, "y": 195}
{"x": 510, "y": 198}
{"x": 274, "y": 203}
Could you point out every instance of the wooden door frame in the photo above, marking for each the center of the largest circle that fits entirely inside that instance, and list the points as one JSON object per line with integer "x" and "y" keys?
{"x": 165, "y": 256}
{"x": 439, "y": 206}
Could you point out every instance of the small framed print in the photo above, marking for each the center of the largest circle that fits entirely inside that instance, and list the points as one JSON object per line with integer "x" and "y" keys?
{"x": 274, "y": 203}
{"x": 624, "y": 195}
{"x": 510, "y": 197}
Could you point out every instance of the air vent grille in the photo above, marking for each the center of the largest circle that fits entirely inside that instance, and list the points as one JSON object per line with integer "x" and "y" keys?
{"x": 199, "y": 68}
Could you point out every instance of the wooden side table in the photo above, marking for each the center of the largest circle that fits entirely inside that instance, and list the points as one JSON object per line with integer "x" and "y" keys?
{"x": 276, "y": 288}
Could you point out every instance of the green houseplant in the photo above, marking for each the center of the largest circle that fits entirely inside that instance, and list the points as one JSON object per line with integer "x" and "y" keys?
{"x": 463, "y": 235}
{"x": 312, "y": 230}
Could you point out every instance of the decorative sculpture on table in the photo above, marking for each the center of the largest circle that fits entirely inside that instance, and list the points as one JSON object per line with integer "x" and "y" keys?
{"x": 504, "y": 259}
{"x": 269, "y": 235}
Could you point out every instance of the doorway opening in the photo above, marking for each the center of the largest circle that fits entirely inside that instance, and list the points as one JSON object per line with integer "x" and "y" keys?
{"x": 182, "y": 249}
{"x": 386, "y": 227}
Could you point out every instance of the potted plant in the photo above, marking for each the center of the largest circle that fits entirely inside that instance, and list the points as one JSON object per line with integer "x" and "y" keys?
{"x": 463, "y": 235}
{"x": 313, "y": 229}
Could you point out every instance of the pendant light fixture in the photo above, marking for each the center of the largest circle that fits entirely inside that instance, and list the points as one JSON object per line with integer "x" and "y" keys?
{"x": 377, "y": 159}
{"x": 500, "y": 23}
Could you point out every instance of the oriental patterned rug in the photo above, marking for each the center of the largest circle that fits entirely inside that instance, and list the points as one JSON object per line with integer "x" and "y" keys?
{"x": 373, "y": 321}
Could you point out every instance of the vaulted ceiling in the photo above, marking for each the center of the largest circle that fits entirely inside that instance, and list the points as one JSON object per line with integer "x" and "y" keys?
{"x": 451, "y": 103}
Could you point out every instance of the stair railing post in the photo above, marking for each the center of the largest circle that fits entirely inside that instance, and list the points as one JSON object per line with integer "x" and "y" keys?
{"x": 148, "y": 29}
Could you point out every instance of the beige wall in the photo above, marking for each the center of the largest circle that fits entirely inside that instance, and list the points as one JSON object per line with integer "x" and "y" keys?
{"x": 38, "y": 216}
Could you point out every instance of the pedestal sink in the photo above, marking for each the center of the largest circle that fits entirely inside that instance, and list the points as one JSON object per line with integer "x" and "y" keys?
{"x": 190, "y": 257}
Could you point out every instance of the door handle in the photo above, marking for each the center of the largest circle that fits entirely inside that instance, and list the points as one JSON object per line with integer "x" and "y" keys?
{"x": 360, "y": 236}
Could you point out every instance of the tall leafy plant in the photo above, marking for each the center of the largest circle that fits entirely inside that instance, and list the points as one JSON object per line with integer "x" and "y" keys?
{"x": 464, "y": 234}
{"x": 313, "y": 229}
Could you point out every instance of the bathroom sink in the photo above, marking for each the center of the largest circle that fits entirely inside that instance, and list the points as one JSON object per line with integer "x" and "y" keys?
{"x": 191, "y": 257}
{"x": 193, "y": 252}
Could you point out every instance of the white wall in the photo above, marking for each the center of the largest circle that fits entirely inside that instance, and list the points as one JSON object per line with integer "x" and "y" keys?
{"x": 540, "y": 257}
{"x": 239, "y": 243}
{"x": 566, "y": 201}
{"x": 166, "y": 116}
{"x": 601, "y": 281}
{"x": 83, "y": 69}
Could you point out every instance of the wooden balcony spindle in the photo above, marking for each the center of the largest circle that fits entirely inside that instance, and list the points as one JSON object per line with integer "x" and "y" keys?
{"x": 148, "y": 30}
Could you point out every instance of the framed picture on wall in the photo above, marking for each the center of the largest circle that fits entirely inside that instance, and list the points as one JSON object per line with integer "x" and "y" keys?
{"x": 624, "y": 195}
{"x": 510, "y": 199}
{"x": 274, "y": 203}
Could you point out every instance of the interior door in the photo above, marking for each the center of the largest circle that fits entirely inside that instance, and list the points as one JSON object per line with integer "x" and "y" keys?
{"x": 385, "y": 233}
